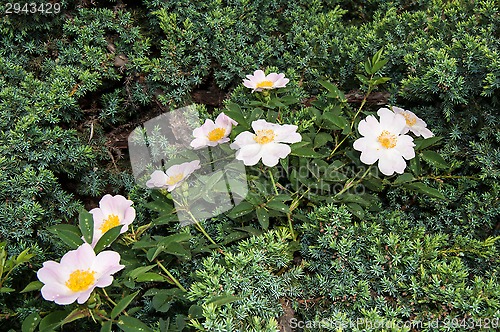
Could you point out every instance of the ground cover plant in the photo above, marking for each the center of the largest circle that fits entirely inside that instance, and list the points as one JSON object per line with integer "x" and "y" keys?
{"x": 336, "y": 166}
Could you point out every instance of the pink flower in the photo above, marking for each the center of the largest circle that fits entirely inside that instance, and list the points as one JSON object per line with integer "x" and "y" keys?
{"x": 259, "y": 81}
{"x": 173, "y": 177}
{"x": 112, "y": 211}
{"x": 78, "y": 273}
{"x": 211, "y": 134}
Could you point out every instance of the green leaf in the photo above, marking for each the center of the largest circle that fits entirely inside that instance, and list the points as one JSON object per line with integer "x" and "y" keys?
{"x": 75, "y": 315}
{"x": 159, "y": 206}
{"x": 305, "y": 152}
{"x": 195, "y": 312}
{"x": 86, "y": 223}
{"x": 107, "y": 238}
{"x": 140, "y": 270}
{"x": 276, "y": 205}
{"x": 69, "y": 234}
{"x": 421, "y": 144}
{"x": 263, "y": 217}
{"x": 123, "y": 304}
{"x": 321, "y": 139}
{"x": 415, "y": 166}
{"x": 356, "y": 210}
{"x": 235, "y": 113}
{"x": 162, "y": 302}
{"x": 6, "y": 290}
{"x": 106, "y": 326}
{"x": 240, "y": 210}
{"x": 435, "y": 159}
{"x": 374, "y": 184}
{"x": 404, "y": 178}
{"x": 52, "y": 320}
{"x": 150, "y": 277}
{"x": 363, "y": 79}
{"x": 338, "y": 120}
{"x": 33, "y": 286}
{"x": 223, "y": 299}
{"x": 31, "y": 322}
{"x": 424, "y": 189}
{"x": 131, "y": 324}
{"x": 378, "y": 65}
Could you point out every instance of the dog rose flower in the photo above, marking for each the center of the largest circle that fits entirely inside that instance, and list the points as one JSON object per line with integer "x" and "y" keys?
{"x": 384, "y": 142}
{"x": 78, "y": 273}
{"x": 173, "y": 177}
{"x": 112, "y": 211}
{"x": 212, "y": 133}
{"x": 259, "y": 81}
{"x": 266, "y": 143}
{"x": 413, "y": 123}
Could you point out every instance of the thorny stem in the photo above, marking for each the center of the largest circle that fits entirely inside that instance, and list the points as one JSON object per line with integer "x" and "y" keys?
{"x": 273, "y": 182}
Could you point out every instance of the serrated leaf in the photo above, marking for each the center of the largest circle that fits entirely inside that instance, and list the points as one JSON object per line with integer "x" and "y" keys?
{"x": 31, "y": 322}
{"x": 86, "y": 224}
{"x": 123, "y": 304}
{"x": 75, "y": 315}
{"x": 162, "y": 302}
{"x": 424, "y": 189}
{"x": 131, "y": 324}
{"x": 107, "y": 238}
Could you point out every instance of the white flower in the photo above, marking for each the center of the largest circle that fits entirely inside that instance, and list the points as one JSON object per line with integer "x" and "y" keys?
{"x": 112, "y": 211}
{"x": 259, "y": 81}
{"x": 78, "y": 273}
{"x": 384, "y": 142}
{"x": 173, "y": 177}
{"x": 413, "y": 123}
{"x": 266, "y": 143}
{"x": 211, "y": 134}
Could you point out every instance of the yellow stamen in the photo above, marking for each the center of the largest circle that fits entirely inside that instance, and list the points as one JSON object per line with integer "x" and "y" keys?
{"x": 80, "y": 280}
{"x": 387, "y": 140}
{"x": 410, "y": 119}
{"x": 174, "y": 179}
{"x": 110, "y": 222}
{"x": 264, "y": 136}
{"x": 216, "y": 134}
{"x": 265, "y": 84}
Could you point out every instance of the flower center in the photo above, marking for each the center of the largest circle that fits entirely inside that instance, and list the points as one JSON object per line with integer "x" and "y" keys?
{"x": 216, "y": 134}
{"x": 174, "y": 179}
{"x": 110, "y": 222}
{"x": 264, "y": 136}
{"x": 80, "y": 280}
{"x": 387, "y": 140}
{"x": 410, "y": 119}
{"x": 265, "y": 84}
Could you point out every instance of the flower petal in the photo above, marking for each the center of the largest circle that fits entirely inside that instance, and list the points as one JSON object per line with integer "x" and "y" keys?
{"x": 272, "y": 152}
